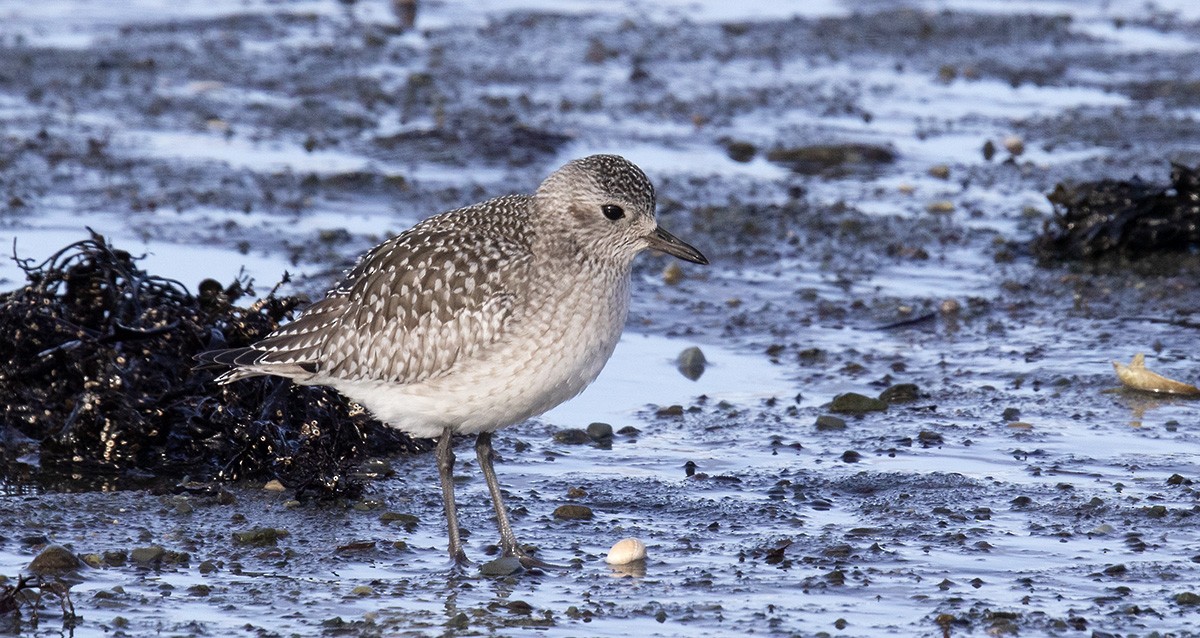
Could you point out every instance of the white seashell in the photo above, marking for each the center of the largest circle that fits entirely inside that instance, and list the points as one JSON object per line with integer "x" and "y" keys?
{"x": 626, "y": 551}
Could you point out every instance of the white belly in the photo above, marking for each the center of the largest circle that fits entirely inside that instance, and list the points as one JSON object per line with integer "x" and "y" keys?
{"x": 548, "y": 358}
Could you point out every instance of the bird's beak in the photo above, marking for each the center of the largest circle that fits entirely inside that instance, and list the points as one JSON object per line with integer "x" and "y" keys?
{"x": 672, "y": 245}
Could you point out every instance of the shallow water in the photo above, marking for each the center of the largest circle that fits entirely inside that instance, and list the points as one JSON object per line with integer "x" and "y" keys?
{"x": 1057, "y": 517}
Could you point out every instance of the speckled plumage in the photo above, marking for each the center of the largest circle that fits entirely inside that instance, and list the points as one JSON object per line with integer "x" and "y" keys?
{"x": 480, "y": 317}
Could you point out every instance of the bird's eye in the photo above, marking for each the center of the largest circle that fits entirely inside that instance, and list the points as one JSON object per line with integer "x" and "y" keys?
{"x": 612, "y": 211}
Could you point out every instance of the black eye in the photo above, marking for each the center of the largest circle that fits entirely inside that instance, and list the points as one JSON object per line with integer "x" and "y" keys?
{"x": 612, "y": 211}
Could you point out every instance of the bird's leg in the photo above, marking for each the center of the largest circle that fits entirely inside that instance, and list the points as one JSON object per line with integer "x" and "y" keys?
{"x": 508, "y": 540}
{"x": 445, "y": 463}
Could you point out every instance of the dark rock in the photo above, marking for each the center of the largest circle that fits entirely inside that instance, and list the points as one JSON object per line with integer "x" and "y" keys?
{"x": 670, "y": 410}
{"x": 739, "y": 150}
{"x": 54, "y": 559}
{"x": 826, "y": 422}
{"x": 574, "y": 512}
{"x": 147, "y": 555}
{"x": 504, "y": 566}
{"x": 830, "y": 158}
{"x": 1187, "y": 598}
{"x": 691, "y": 363}
{"x": 900, "y": 393}
{"x": 572, "y": 436}
{"x": 600, "y": 432}
{"x": 259, "y": 536}
{"x": 850, "y": 456}
{"x": 855, "y": 403}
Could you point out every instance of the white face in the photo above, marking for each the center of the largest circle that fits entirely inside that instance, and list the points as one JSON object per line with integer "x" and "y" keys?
{"x": 609, "y": 209}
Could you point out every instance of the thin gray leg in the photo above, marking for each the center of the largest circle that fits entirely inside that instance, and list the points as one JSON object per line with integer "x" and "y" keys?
{"x": 445, "y": 463}
{"x": 483, "y": 449}
{"x": 508, "y": 541}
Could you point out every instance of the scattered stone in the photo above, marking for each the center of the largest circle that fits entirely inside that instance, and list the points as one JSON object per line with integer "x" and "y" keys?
{"x": 670, "y": 410}
{"x": 54, "y": 559}
{"x": 855, "y": 403}
{"x": 1014, "y": 144}
{"x": 740, "y": 151}
{"x": 940, "y": 207}
{"x": 626, "y": 551}
{"x": 259, "y": 536}
{"x": 363, "y": 590}
{"x": 940, "y": 171}
{"x": 1020, "y": 425}
{"x": 408, "y": 521}
{"x": 600, "y": 432}
{"x": 900, "y": 393}
{"x": 148, "y": 555}
{"x": 572, "y": 436}
{"x": 115, "y": 558}
{"x": 950, "y": 307}
{"x": 274, "y": 485}
{"x": 830, "y": 158}
{"x": 1011, "y": 414}
{"x": 500, "y": 567}
{"x": 691, "y": 363}
{"x": 989, "y": 150}
{"x": 200, "y": 590}
{"x": 928, "y": 437}
{"x": 827, "y": 422}
{"x": 1187, "y": 598}
{"x": 673, "y": 274}
{"x": 629, "y": 430}
{"x": 207, "y": 567}
{"x": 1156, "y": 511}
{"x": 850, "y": 456}
{"x": 573, "y": 512}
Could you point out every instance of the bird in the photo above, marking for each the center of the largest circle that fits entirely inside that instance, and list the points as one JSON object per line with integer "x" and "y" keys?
{"x": 478, "y": 318}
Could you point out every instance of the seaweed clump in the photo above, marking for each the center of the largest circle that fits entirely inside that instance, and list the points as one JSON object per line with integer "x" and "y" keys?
{"x": 98, "y": 375}
{"x": 1127, "y": 218}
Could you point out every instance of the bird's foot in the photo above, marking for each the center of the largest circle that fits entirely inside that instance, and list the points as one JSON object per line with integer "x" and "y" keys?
{"x": 529, "y": 561}
{"x": 459, "y": 564}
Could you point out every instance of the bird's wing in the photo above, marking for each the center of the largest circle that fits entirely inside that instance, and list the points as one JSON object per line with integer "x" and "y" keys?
{"x": 414, "y": 306}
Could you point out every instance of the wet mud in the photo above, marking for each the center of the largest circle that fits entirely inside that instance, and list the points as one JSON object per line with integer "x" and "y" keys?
{"x": 869, "y": 180}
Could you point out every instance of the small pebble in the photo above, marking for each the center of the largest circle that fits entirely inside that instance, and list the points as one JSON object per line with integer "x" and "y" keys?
{"x": 505, "y": 566}
{"x": 672, "y": 274}
{"x": 1014, "y": 144}
{"x": 691, "y": 363}
{"x": 572, "y": 436}
{"x": 600, "y": 431}
{"x": 626, "y": 551}
{"x": 574, "y": 512}
{"x": 274, "y": 485}
{"x": 55, "y": 558}
{"x": 826, "y": 422}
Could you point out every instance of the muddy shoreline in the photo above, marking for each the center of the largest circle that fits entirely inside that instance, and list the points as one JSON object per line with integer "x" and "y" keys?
{"x": 833, "y": 166}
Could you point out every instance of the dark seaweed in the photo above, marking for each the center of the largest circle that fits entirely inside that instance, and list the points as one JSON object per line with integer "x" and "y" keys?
{"x": 1131, "y": 218}
{"x": 97, "y": 372}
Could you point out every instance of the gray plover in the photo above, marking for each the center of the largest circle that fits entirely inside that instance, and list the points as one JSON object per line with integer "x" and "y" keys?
{"x": 478, "y": 318}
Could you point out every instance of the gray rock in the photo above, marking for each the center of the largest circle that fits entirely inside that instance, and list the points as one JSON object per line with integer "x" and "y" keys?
{"x": 691, "y": 363}
{"x": 855, "y": 403}
{"x": 826, "y": 422}
{"x": 504, "y": 566}
{"x": 55, "y": 559}
{"x": 600, "y": 432}
{"x": 572, "y": 436}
